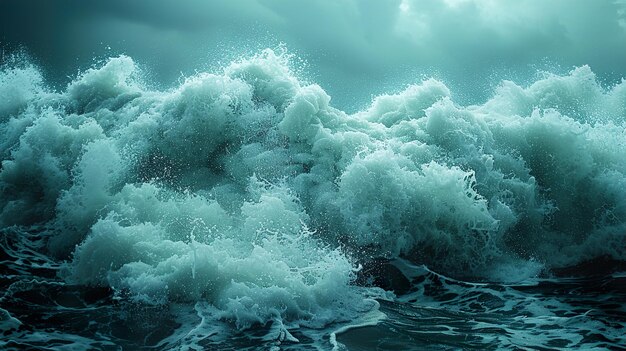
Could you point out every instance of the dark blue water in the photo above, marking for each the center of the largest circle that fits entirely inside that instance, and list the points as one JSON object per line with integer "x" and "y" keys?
{"x": 430, "y": 312}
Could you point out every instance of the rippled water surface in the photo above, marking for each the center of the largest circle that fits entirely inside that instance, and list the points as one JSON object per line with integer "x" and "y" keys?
{"x": 430, "y": 312}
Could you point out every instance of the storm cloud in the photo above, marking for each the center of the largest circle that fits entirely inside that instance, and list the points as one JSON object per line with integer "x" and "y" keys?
{"x": 355, "y": 48}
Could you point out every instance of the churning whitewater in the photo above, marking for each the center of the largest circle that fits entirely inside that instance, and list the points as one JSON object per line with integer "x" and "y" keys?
{"x": 245, "y": 194}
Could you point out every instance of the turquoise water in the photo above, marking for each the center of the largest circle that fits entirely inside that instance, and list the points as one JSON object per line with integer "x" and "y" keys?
{"x": 240, "y": 209}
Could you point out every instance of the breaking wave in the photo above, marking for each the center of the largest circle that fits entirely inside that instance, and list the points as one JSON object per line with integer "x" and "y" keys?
{"x": 246, "y": 189}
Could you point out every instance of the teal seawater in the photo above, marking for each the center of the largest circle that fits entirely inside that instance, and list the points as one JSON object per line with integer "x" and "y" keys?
{"x": 240, "y": 209}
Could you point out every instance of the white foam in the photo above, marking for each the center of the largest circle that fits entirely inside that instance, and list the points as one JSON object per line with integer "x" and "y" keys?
{"x": 246, "y": 188}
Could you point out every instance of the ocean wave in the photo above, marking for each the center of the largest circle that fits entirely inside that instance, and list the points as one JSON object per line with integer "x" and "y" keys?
{"x": 246, "y": 188}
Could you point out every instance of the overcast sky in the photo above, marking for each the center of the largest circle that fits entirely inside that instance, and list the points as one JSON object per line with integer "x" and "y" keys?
{"x": 353, "y": 48}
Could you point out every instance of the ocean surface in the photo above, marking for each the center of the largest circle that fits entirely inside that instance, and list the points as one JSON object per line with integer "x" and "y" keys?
{"x": 240, "y": 210}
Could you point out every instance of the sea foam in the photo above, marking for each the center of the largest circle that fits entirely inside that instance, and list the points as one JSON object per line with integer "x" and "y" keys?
{"x": 246, "y": 189}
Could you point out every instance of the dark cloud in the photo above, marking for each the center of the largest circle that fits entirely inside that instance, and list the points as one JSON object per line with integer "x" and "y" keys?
{"x": 354, "y": 48}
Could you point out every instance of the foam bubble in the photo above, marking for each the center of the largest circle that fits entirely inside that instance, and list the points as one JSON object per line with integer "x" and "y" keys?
{"x": 248, "y": 190}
